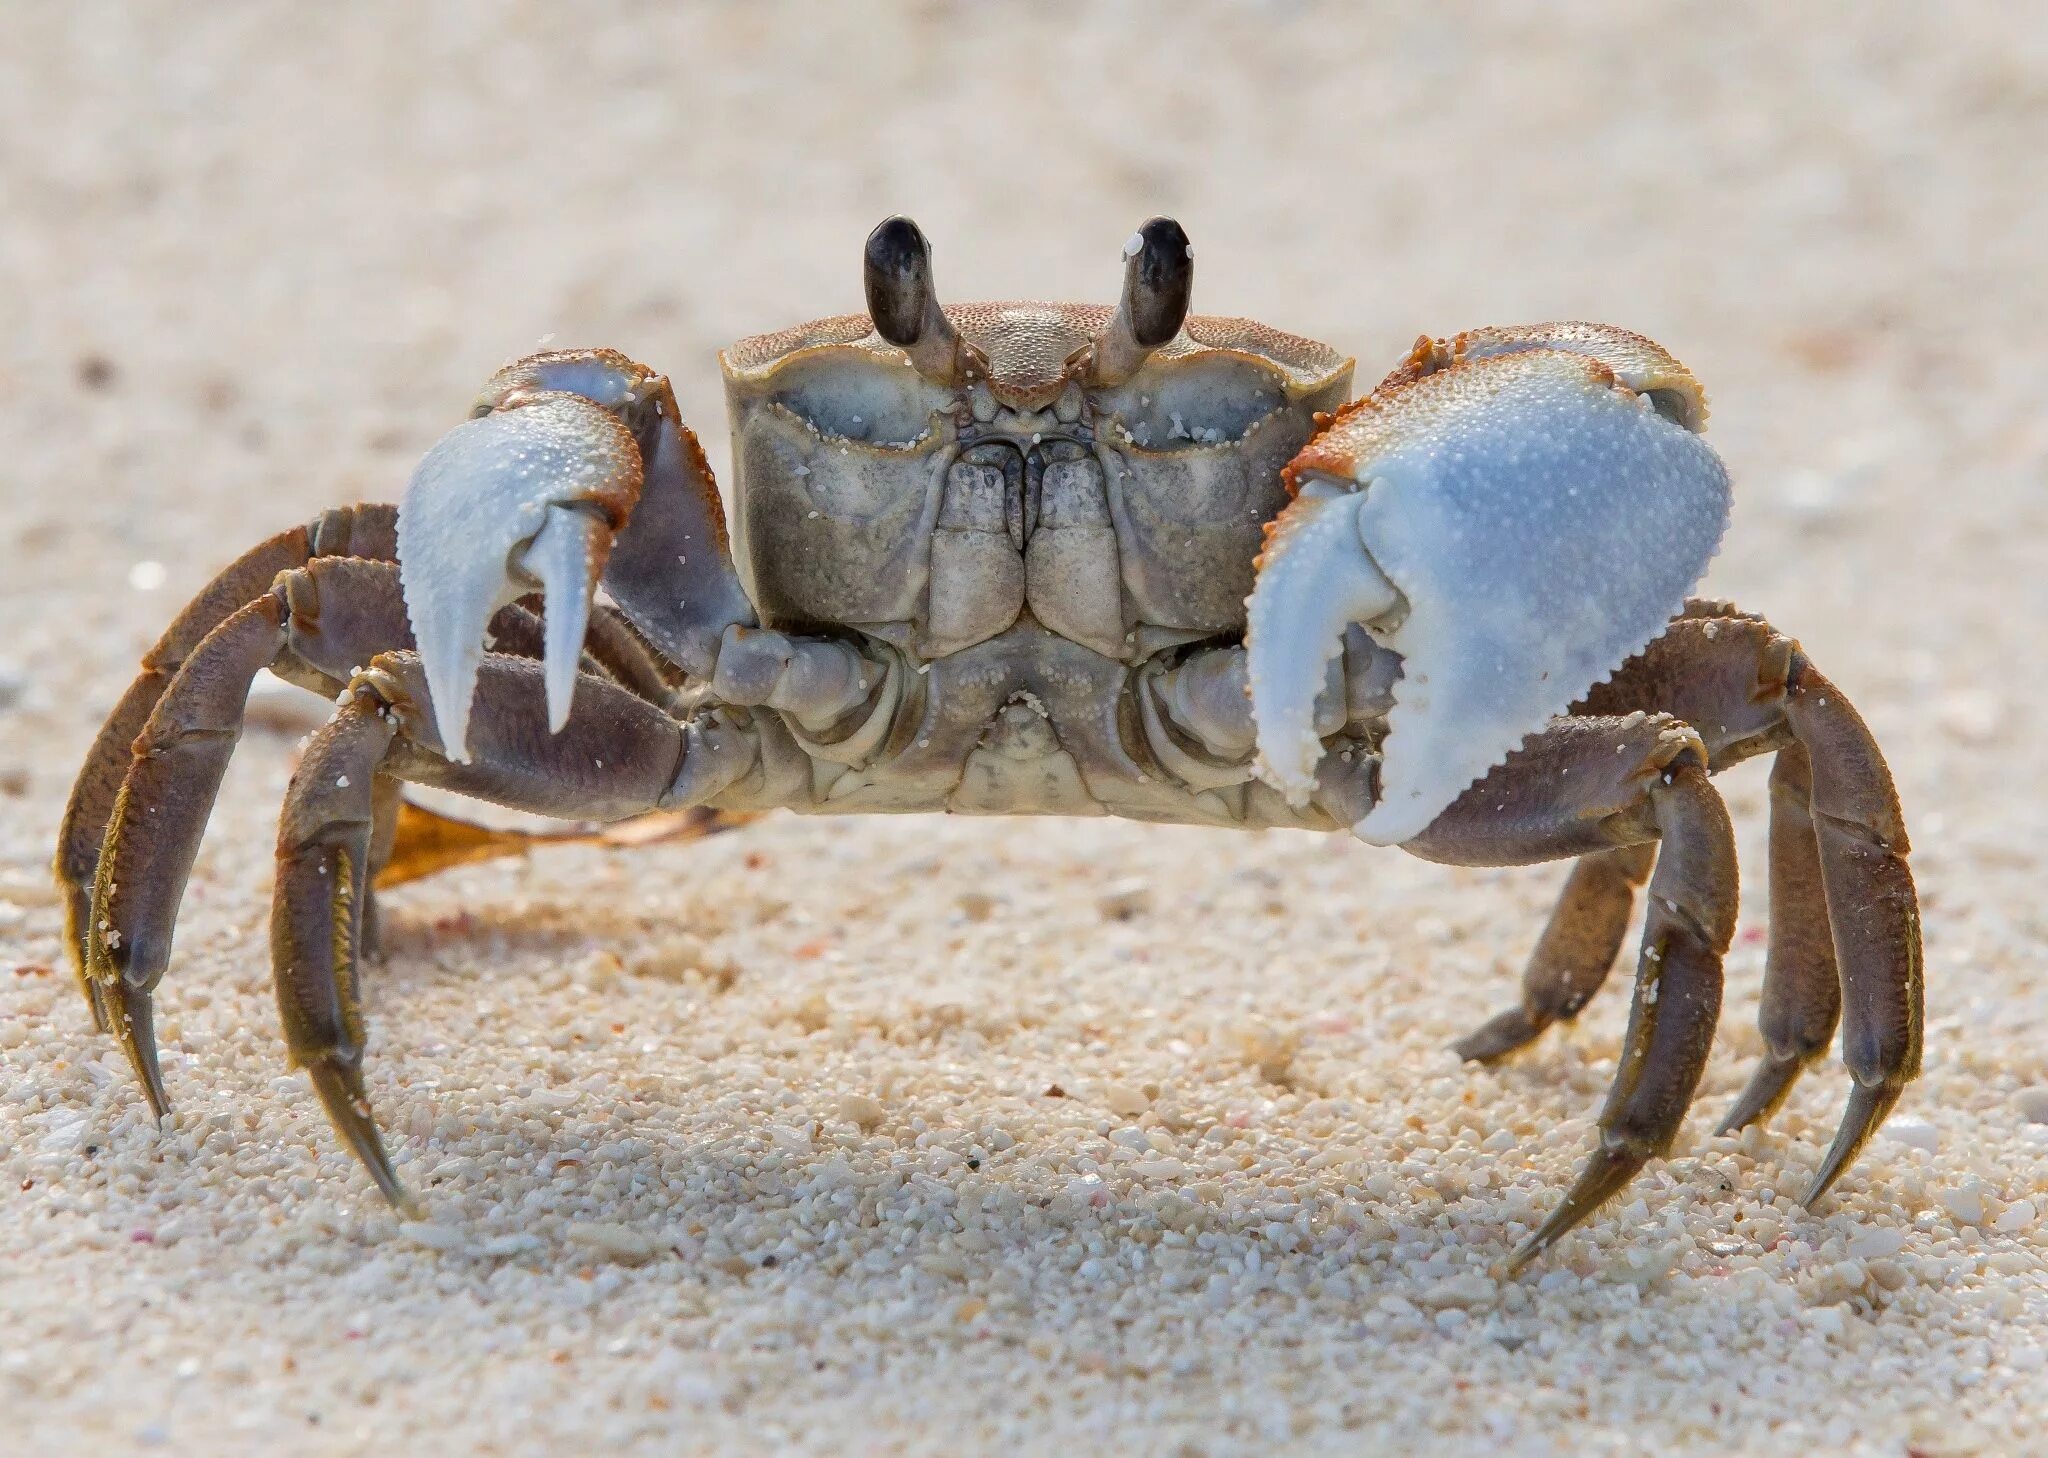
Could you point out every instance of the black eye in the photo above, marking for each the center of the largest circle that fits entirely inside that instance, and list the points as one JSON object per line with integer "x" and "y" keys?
{"x": 898, "y": 274}
{"x": 1159, "y": 281}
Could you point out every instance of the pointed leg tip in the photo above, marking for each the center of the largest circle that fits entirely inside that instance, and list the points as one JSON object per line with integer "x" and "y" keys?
{"x": 340, "y": 1088}
{"x": 152, "y": 1076}
{"x": 1765, "y": 1094}
{"x": 1606, "y": 1174}
{"x": 1497, "y": 1037}
{"x": 1741, "y": 1114}
{"x": 159, "y": 1102}
{"x": 393, "y": 1189}
{"x": 1552, "y": 1230}
{"x": 1524, "y": 1255}
{"x": 131, "y": 1018}
{"x": 1869, "y": 1104}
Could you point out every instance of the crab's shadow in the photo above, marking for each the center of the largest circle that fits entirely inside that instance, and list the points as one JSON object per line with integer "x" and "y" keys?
{"x": 951, "y": 1220}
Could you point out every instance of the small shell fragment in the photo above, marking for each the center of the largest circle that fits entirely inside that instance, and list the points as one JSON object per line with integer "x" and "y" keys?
{"x": 619, "y": 1243}
{"x": 859, "y": 1109}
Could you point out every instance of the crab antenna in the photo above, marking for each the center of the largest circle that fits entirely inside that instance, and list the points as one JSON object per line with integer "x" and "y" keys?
{"x": 1159, "y": 277}
{"x": 897, "y": 270}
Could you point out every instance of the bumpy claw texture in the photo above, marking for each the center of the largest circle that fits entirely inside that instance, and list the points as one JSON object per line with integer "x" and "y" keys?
{"x": 1539, "y": 500}
{"x": 527, "y": 496}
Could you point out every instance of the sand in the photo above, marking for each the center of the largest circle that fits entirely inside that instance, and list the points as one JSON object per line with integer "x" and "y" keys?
{"x": 754, "y": 1145}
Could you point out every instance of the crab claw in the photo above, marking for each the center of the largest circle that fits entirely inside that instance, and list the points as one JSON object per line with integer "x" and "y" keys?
{"x": 525, "y": 497}
{"x": 1515, "y": 512}
{"x": 1297, "y": 615}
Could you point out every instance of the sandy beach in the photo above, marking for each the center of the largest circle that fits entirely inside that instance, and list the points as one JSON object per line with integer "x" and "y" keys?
{"x": 972, "y": 1136}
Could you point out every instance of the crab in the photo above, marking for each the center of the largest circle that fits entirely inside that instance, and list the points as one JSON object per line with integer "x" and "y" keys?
{"x": 1032, "y": 558}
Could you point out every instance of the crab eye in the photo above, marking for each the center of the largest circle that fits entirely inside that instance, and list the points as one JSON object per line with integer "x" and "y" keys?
{"x": 1185, "y": 403}
{"x": 884, "y": 404}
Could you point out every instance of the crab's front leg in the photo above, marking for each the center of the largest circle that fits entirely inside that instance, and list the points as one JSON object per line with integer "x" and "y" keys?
{"x": 575, "y": 468}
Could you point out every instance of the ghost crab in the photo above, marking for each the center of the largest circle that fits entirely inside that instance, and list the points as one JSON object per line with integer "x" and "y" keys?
{"x": 1047, "y": 558}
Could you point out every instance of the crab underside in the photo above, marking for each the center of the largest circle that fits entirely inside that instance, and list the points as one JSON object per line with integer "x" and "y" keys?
{"x": 1028, "y": 559}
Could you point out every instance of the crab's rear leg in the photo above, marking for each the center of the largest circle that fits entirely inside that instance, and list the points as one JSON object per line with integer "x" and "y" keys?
{"x": 1574, "y": 954}
{"x": 368, "y": 531}
{"x": 619, "y": 756}
{"x": 1844, "y": 909}
{"x": 315, "y": 625}
{"x": 1802, "y": 992}
{"x": 1845, "y": 927}
{"x": 1592, "y": 785}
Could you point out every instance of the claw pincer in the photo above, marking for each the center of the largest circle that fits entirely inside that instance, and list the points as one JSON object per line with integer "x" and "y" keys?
{"x": 525, "y": 497}
{"x": 1316, "y": 578}
{"x": 1514, "y": 513}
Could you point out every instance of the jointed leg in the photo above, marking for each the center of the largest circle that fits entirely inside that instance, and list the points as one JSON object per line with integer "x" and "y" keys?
{"x": 1691, "y": 920}
{"x": 1845, "y": 930}
{"x": 617, "y": 756}
{"x": 1574, "y": 954}
{"x": 1872, "y": 907}
{"x": 359, "y": 531}
{"x": 1593, "y": 784}
{"x": 1750, "y": 690}
{"x": 611, "y": 647}
{"x": 315, "y": 625}
{"x": 1802, "y": 997}
{"x": 387, "y": 810}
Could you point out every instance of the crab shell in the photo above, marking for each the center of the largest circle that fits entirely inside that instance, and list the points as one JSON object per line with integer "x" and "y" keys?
{"x": 841, "y": 450}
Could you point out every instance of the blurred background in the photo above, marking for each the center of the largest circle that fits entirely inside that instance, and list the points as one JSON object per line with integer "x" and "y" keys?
{"x": 254, "y": 259}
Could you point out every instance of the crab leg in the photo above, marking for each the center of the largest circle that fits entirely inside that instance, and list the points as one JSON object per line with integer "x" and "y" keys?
{"x": 315, "y": 624}
{"x": 1802, "y": 996}
{"x": 387, "y": 817}
{"x": 609, "y": 646}
{"x": 618, "y": 757}
{"x": 1581, "y": 785}
{"x": 1750, "y": 690}
{"x": 1573, "y": 956}
{"x": 358, "y": 531}
{"x": 1872, "y": 907}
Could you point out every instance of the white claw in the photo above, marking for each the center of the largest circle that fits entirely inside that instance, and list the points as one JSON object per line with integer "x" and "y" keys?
{"x": 1541, "y": 520}
{"x": 566, "y": 557}
{"x": 1296, "y": 619}
{"x": 500, "y": 502}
